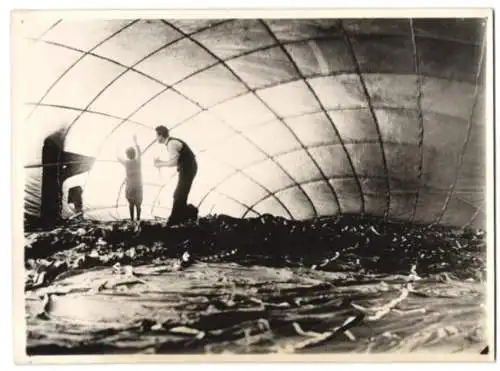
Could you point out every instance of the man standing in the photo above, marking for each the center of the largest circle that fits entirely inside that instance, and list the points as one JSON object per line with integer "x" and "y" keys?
{"x": 181, "y": 156}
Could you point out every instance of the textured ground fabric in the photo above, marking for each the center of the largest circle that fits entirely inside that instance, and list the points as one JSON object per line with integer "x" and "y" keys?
{"x": 261, "y": 285}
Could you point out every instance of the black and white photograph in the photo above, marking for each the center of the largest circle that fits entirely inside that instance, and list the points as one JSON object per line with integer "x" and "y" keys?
{"x": 295, "y": 185}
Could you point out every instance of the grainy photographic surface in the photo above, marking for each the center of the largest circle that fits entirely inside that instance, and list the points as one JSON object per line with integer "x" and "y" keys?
{"x": 269, "y": 186}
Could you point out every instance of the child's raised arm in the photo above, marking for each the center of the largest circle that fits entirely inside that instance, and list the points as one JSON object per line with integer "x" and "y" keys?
{"x": 137, "y": 148}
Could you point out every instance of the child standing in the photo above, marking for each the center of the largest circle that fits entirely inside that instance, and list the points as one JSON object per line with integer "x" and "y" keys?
{"x": 133, "y": 181}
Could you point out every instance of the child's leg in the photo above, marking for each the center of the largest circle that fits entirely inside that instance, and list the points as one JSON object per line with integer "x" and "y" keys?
{"x": 131, "y": 210}
{"x": 138, "y": 206}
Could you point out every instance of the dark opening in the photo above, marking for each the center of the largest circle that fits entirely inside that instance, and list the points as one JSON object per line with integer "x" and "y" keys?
{"x": 75, "y": 198}
{"x": 58, "y": 166}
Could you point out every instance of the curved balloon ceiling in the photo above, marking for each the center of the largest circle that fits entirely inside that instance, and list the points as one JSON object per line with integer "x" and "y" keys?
{"x": 297, "y": 118}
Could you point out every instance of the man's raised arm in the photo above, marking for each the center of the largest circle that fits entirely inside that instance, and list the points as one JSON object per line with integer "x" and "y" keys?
{"x": 174, "y": 153}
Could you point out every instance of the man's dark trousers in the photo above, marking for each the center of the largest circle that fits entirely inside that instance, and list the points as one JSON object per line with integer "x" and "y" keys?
{"x": 187, "y": 172}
